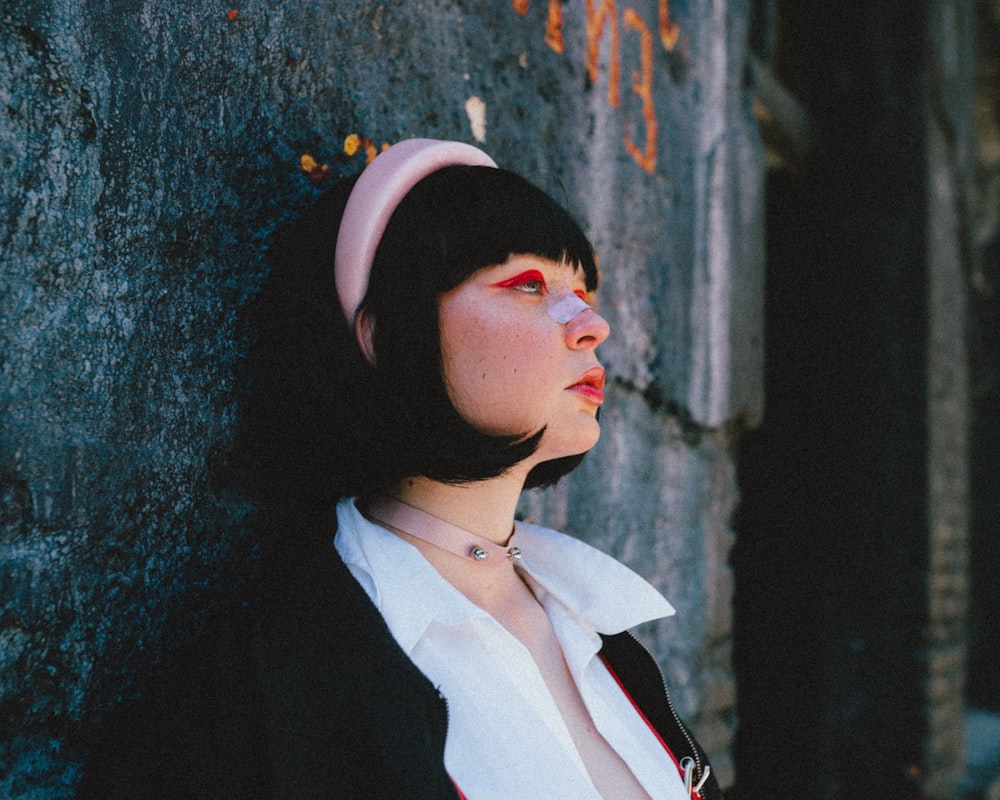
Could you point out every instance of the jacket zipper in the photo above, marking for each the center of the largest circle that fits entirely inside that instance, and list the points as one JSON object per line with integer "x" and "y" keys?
{"x": 447, "y": 724}
{"x": 699, "y": 767}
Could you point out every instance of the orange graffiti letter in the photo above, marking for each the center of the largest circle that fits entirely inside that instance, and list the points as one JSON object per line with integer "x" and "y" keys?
{"x": 669, "y": 31}
{"x": 553, "y": 24}
{"x": 595, "y": 29}
{"x": 553, "y": 27}
{"x": 642, "y": 85}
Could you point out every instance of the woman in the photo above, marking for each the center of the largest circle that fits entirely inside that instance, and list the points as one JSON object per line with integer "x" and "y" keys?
{"x": 438, "y": 648}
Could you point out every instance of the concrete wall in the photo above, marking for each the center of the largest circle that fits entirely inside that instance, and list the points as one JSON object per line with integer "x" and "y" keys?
{"x": 852, "y": 562}
{"x": 950, "y": 176}
{"x": 147, "y": 149}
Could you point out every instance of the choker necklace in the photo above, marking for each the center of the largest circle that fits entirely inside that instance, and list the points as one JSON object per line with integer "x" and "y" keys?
{"x": 439, "y": 533}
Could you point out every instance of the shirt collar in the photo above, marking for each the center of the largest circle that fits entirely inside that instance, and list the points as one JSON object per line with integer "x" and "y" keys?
{"x": 594, "y": 586}
{"x": 600, "y": 591}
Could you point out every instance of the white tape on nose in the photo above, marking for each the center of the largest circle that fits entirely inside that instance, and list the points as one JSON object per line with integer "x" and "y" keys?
{"x": 562, "y": 311}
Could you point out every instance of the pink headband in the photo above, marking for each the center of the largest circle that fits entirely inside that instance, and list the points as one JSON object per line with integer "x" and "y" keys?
{"x": 382, "y": 186}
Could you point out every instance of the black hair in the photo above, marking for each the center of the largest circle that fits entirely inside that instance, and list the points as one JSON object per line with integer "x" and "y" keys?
{"x": 318, "y": 422}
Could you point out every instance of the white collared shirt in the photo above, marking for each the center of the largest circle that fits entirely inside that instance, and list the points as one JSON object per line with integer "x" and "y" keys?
{"x": 506, "y": 738}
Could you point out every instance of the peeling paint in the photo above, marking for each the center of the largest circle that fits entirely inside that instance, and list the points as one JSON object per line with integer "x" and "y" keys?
{"x": 354, "y": 143}
{"x": 318, "y": 173}
{"x": 475, "y": 108}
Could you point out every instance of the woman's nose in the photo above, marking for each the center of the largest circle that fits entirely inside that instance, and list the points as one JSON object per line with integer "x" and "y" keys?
{"x": 587, "y": 330}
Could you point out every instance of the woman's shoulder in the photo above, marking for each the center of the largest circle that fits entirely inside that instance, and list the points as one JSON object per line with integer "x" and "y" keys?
{"x": 190, "y": 717}
{"x": 289, "y": 679}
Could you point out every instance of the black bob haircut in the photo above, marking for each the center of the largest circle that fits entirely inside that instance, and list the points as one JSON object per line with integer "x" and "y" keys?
{"x": 317, "y": 421}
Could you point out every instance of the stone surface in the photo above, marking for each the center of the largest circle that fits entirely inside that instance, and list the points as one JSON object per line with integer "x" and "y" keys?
{"x": 852, "y": 561}
{"x": 147, "y": 150}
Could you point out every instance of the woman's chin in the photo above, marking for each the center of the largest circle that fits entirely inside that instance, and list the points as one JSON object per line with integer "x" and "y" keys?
{"x": 582, "y": 441}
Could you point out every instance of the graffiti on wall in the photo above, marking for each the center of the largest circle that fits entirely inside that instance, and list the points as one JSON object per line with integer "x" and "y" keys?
{"x": 602, "y": 21}
{"x": 603, "y": 16}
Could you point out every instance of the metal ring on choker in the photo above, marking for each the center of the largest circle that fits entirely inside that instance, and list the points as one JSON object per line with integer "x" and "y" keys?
{"x": 395, "y": 513}
{"x": 379, "y": 190}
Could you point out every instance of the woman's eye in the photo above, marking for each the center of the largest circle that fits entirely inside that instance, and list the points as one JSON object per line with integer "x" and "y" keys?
{"x": 535, "y": 286}
{"x": 527, "y": 282}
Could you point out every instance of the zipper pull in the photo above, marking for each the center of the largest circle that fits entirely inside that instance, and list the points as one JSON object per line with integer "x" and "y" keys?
{"x": 704, "y": 777}
{"x": 688, "y": 767}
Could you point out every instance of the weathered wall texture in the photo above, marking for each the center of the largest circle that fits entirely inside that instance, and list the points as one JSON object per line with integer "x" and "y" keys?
{"x": 950, "y": 180}
{"x": 852, "y": 562}
{"x": 147, "y": 149}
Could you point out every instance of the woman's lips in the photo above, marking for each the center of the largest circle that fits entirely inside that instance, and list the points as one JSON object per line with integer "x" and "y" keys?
{"x": 591, "y": 385}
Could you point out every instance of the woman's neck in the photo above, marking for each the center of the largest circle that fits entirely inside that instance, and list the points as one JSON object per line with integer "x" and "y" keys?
{"x": 485, "y": 508}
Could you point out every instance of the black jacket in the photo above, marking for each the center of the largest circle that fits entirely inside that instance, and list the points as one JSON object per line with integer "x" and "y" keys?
{"x": 308, "y": 696}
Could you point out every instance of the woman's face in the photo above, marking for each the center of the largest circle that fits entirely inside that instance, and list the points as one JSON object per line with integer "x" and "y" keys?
{"x": 511, "y": 367}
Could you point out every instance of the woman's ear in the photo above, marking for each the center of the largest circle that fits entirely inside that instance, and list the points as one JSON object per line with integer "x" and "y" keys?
{"x": 364, "y": 333}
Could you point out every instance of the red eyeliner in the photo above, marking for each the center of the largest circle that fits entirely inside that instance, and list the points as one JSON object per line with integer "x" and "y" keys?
{"x": 530, "y": 276}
